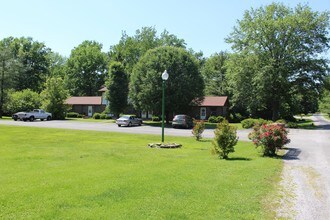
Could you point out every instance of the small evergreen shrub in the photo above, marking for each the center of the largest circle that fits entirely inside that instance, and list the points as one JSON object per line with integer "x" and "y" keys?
{"x": 225, "y": 139}
{"x": 198, "y": 129}
{"x": 270, "y": 137}
{"x": 155, "y": 118}
{"x": 103, "y": 116}
{"x": 96, "y": 115}
{"x": 108, "y": 117}
{"x": 72, "y": 115}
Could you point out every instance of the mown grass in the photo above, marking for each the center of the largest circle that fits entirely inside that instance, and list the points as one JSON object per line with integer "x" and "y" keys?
{"x": 68, "y": 174}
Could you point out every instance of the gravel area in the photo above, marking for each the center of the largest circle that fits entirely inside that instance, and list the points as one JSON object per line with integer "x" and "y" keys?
{"x": 305, "y": 185}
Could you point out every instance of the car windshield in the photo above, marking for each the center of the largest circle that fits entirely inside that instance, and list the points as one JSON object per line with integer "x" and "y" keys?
{"x": 179, "y": 117}
{"x": 125, "y": 117}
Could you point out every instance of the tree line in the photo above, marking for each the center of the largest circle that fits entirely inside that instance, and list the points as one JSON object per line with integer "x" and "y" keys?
{"x": 275, "y": 70}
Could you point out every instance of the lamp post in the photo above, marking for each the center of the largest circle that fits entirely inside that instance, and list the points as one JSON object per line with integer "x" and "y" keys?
{"x": 164, "y": 78}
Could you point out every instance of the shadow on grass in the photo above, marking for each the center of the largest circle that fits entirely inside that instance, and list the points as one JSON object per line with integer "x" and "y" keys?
{"x": 203, "y": 140}
{"x": 238, "y": 159}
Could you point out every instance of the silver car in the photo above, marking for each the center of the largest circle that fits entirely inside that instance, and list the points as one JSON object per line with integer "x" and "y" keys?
{"x": 128, "y": 120}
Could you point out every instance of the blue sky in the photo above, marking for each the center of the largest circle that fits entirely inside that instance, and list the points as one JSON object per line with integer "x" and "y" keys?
{"x": 64, "y": 24}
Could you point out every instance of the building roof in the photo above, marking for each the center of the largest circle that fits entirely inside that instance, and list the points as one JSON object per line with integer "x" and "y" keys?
{"x": 84, "y": 100}
{"x": 214, "y": 101}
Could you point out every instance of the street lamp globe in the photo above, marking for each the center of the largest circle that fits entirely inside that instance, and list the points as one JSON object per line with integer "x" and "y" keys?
{"x": 165, "y": 75}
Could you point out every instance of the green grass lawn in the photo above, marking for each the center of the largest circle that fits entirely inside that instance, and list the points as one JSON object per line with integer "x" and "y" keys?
{"x": 68, "y": 174}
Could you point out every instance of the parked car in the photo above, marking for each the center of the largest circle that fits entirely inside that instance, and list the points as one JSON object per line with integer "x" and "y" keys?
{"x": 184, "y": 121}
{"x": 128, "y": 120}
{"x": 35, "y": 114}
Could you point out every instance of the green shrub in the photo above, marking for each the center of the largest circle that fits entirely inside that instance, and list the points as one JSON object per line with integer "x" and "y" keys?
{"x": 215, "y": 119}
{"x": 281, "y": 121}
{"x": 212, "y": 119}
{"x": 236, "y": 118}
{"x": 220, "y": 119}
{"x": 292, "y": 124}
{"x": 108, "y": 117}
{"x": 271, "y": 137}
{"x": 198, "y": 129}
{"x": 225, "y": 139}
{"x": 96, "y": 115}
{"x": 103, "y": 116}
{"x": 72, "y": 115}
{"x": 155, "y": 118}
{"x": 248, "y": 123}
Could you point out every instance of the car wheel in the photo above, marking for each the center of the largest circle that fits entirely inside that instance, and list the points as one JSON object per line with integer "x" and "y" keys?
{"x": 31, "y": 118}
{"x": 130, "y": 124}
{"x": 49, "y": 118}
{"x": 119, "y": 125}
{"x": 41, "y": 119}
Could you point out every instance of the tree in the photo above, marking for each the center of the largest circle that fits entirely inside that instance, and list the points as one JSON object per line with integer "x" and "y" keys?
{"x": 117, "y": 86}
{"x": 131, "y": 48}
{"x": 34, "y": 58}
{"x": 57, "y": 65}
{"x": 86, "y": 69}
{"x": 185, "y": 83}
{"x": 325, "y": 99}
{"x": 54, "y": 96}
{"x": 9, "y": 68}
{"x": 25, "y": 100}
{"x": 214, "y": 74}
{"x": 281, "y": 49}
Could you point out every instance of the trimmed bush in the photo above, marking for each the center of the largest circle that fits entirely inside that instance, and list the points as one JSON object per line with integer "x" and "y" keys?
{"x": 108, "y": 117}
{"x": 212, "y": 119}
{"x": 198, "y": 129}
{"x": 215, "y": 119}
{"x": 96, "y": 115}
{"x": 103, "y": 116}
{"x": 155, "y": 118}
{"x": 248, "y": 123}
{"x": 225, "y": 139}
{"x": 271, "y": 137}
{"x": 72, "y": 115}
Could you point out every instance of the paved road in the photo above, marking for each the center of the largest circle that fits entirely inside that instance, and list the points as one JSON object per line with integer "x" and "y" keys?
{"x": 112, "y": 127}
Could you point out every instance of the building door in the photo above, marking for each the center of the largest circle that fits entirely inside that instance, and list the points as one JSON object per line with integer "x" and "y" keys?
{"x": 203, "y": 113}
{"x": 90, "y": 111}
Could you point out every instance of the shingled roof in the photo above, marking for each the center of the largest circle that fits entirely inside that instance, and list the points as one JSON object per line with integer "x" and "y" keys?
{"x": 84, "y": 100}
{"x": 214, "y": 101}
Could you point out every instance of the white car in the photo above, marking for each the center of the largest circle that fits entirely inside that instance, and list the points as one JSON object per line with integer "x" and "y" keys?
{"x": 35, "y": 114}
{"x": 128, "y": 120}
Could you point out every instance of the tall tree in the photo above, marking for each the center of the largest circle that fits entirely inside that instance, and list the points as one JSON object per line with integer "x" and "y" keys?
{"x": 214, "y": 74}
{"x": 9, "y": 68}
{"x": 286, "y": 47}
{"x": 86, "y": 69}
{"x": 54, "y": 96}
{"x": 34, "y": 57}
{"x": 131, "y": 48}
{"x": 184, "y": 85}
{"x": 117, "y": 85}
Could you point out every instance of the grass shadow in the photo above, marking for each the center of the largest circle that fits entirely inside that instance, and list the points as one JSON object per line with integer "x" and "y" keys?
{"x": 238, "y": 159}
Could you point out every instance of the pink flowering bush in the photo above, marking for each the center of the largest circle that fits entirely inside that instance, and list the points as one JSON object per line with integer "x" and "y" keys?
{"x": 271, "y": 137}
